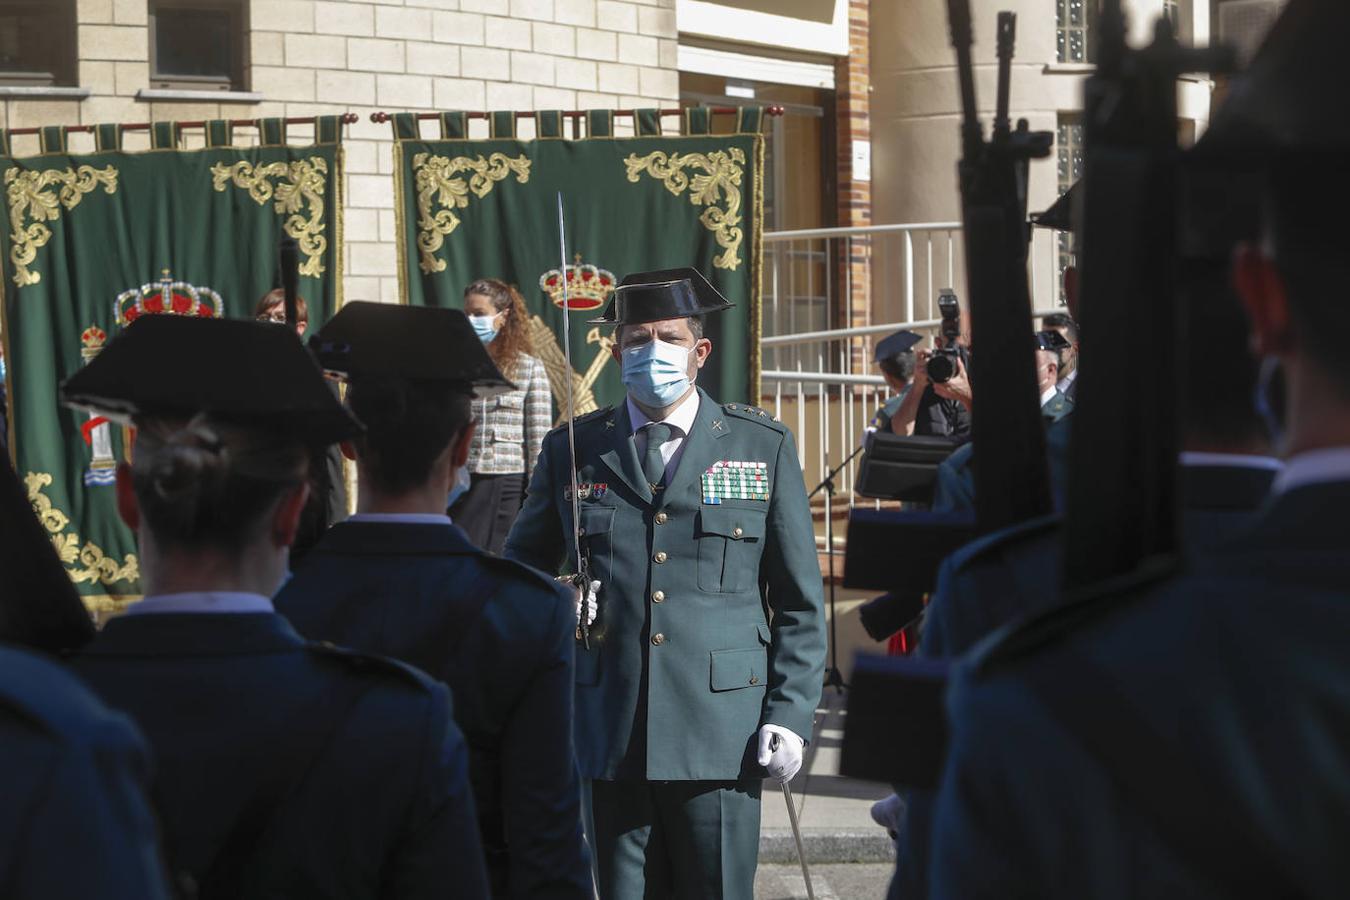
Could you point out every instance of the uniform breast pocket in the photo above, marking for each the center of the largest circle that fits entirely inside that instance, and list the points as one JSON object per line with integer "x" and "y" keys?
{"x": 730, "y": 540}
{"x": 597, "y": 537}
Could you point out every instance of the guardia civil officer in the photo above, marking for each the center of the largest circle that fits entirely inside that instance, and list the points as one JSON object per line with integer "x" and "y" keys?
{"x": 1188, "y": 738}
{"x": 399, "y": 578}
{"x": 694, "y": 521}
{"x": 283, "y": 769}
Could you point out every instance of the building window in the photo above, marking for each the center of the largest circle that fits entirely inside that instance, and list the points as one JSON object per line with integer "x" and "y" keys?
{"x": 37, "y": 42}
{"x": 1069, "y": 159}
{"x": 1074, "y": 21}
{"x": 198, "y": 44}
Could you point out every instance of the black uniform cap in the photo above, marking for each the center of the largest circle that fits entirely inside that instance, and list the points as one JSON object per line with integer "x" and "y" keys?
{"x": 893, "y": 345}
{"x": 419, "y": 343}
{"x": 665, "y": 294}
{"x": 1061, "y": 214}
{"x": 1051, "y": 340}
{"x": 251, "y": 373}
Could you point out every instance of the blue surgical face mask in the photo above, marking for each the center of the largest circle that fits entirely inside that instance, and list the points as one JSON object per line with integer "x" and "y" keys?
{"x": 656, "y": 373}
{"x": 483, "y": 326}
{"x": 460, "y": 487}
{"x": 2, "y": 370}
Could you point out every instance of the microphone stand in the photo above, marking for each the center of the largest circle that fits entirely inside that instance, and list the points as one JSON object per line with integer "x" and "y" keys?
{"x": 833, "y": 677}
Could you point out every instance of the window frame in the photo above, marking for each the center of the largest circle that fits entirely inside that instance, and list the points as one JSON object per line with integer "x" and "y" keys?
{"x": 66, "y": 73}
{"x": 1063, "y": 28}
{"x": 237, "y": 80}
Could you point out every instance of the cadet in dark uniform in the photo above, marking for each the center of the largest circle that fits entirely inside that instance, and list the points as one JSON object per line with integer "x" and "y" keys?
{"x": 399, "y": 579}
{"x": 695, "y": 521}
{"x": 1187, "y": 737}
{"x": 75, "y": 821}
{"x": 895, "y": 359}
{"x": 283, "y": 769}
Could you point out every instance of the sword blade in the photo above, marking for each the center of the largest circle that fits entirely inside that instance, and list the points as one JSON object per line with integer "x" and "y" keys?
{"x": 583, "y": 577}
{"x": 797, "y": 836}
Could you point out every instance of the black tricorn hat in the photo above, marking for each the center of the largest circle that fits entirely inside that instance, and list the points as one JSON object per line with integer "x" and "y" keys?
{"x": 1051, "y": 340}
{"x": 664, "y": 294}
{"x": 1061, "y": 214}
{"x": 252, "y": 373}
{"x": 1290, "y": 101}
{"x": 893, "y": 345}
{"x": 420, "y": 343}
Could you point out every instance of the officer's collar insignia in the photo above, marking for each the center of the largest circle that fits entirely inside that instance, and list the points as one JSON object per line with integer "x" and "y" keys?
{"x": 609, "y": 423}
{"x": 717, "y": 425}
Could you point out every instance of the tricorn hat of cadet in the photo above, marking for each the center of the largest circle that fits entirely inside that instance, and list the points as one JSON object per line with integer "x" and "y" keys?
{"x": 251, "y": 373}
{"x": 419, "y": 343}
{"x": 1051, "y": 341}
{"x": 893, "y": 345}
{"x": 1061, "y": 214}
{"x": 664, "y": 294}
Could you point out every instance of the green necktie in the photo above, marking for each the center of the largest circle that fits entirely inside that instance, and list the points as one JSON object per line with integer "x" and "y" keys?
{"x": 653, "y": 466}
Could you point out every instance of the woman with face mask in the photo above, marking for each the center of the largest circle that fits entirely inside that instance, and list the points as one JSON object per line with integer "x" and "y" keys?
{"x": 511, "y": 426}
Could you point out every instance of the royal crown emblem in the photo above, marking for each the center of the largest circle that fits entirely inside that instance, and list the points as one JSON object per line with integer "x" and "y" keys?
{"x": 92, "y": 340}
{"x": 168, "y": 296}
{"x": 588, "y": 287}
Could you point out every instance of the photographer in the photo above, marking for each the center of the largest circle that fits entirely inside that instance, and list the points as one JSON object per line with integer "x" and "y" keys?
{"x": 896, "y": 361}
{"x": 940, "y": 400}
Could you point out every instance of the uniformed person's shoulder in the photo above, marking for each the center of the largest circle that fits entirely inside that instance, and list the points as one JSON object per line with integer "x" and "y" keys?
{"x": 1006, "y": 540}
{"x": 754, "y": 414}
{"x": 583, "y": 422}
{"x": 52, "y": 697}
{"x": 1037, "y": 638}
{"x": 360, "y": 664}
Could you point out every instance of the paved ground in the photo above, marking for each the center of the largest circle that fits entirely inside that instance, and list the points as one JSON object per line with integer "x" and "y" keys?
{"x": 855, "y": 881}
{"x": 832, "y": 810}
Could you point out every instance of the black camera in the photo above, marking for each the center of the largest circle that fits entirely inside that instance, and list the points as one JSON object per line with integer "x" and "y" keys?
{"x": 942, "y": 363}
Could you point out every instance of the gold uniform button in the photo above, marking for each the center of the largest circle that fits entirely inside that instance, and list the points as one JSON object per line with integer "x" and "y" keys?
{"x": 661, "y": 518}
{"x": 754, "y": 679}
{"x": 736, "y": 532}
{"x": 578, "y": 632}
{"x": 658, "y": 639}
{"x": 660, "y": 556}
{"x": 658, "y": 596}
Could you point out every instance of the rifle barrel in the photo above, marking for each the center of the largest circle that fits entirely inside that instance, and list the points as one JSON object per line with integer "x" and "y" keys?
{"x": 1007, "y": 39}
{"x": 958, "y": 14}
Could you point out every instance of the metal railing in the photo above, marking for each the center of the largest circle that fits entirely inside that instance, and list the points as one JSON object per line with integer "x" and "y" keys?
{"x": 824, "y": 289}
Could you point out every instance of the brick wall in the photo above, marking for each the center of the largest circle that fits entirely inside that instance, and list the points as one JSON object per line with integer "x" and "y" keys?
{"x": 315, "y": 57}
{"x": 853, "y": 86}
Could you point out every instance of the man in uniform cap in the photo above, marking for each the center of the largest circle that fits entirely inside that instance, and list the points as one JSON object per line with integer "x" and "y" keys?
{"x": 283, "y": 769}
{"x": 895, "y": 359}
{"x": 694, "y": 521}
{"x": 399, "y": 578}
{"x": 1186, "y": 736}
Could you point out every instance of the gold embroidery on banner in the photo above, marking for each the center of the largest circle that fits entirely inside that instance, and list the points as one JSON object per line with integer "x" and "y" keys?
{"x": 436, "y": 182}
{"x": 302, "y": 183}
{"x": 544, "y": 345}
{"x": 719, "y": 182}
{"x": 83, "y": 564}
{"x": 29, "y": 197}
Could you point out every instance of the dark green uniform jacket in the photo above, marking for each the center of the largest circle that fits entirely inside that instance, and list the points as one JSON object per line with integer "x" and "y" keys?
{"x": 684, "y": 665}
{"x": 240, "y": 711}
{"x": 500, "y": 635}
{"x": 75, "y": 820}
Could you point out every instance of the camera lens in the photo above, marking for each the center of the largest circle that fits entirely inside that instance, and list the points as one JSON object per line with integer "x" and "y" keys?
{"x": 941, "y": 368}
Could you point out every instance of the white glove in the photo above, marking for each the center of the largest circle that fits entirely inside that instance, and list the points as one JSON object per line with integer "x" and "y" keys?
{"x": 590, "y": 602}
{"x": 780, "y": 751}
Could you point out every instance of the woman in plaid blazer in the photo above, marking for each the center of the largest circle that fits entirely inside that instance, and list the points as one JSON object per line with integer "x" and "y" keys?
{"x": 511, "y": 426}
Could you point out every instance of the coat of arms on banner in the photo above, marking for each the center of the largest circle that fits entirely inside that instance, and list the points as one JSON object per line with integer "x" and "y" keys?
{"x": 588, "y": 287}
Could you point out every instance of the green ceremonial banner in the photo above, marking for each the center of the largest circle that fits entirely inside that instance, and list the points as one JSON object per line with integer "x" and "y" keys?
{"x": 96, "y": 241}
{"x": 471, "y": 209}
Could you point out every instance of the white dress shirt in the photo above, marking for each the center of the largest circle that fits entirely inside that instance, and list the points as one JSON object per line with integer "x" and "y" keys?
{"x": 1048, "y": 394}
{"x": 1313, "y": 467}
{"x": 201, "y": 602}
{"x": 1067, "y": 380}
{"x": 680, "y": 420}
